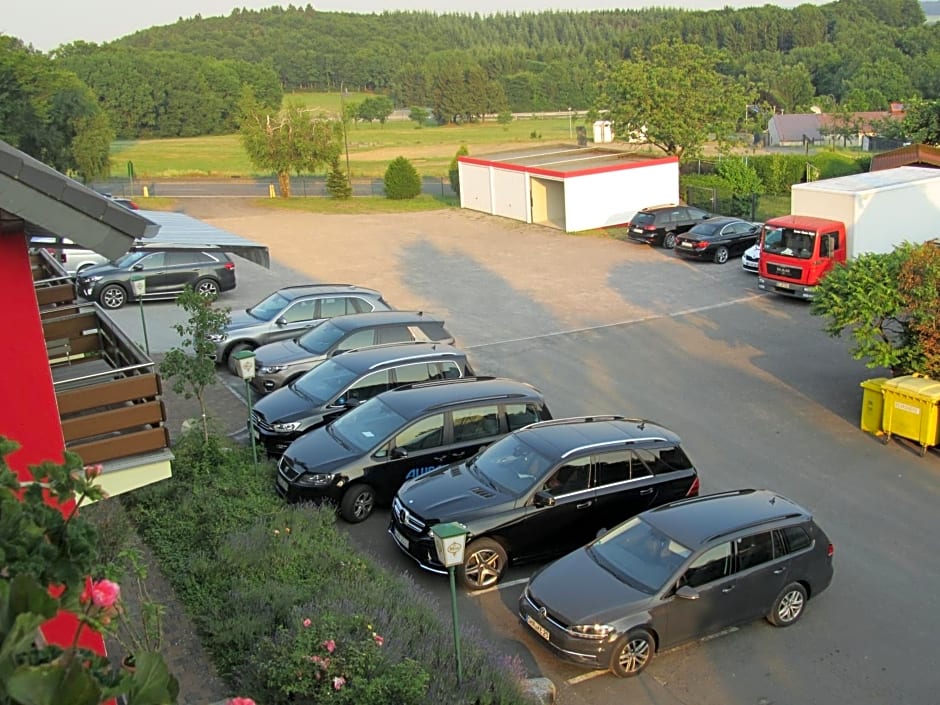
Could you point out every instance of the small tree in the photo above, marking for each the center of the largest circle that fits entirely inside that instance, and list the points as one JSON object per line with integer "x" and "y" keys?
{"x": 401, "y": 180}
{"x": 418, "y": 115}
{"x": 337, "y": 182}
{"x": 189, "y": 365}
{"x": 504, "y": 118}
{"x": 453, "y": 171}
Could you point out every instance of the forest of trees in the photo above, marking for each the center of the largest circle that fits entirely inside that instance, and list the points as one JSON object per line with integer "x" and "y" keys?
{"x": 186, "y": 79}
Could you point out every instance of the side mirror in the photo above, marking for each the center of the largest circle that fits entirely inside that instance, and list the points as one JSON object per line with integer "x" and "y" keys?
{"x": 398, "y": 452}
{"x": 687, "y": 593}
{"x": 352, "y": 404}
{"x": 137, "y": 268}
{"x": 600, "y": 532}
{"x": 544, "y": 499}
{"x": 281, "y": 321}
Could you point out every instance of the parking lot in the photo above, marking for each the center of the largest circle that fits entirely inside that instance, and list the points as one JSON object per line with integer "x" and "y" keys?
{"x": 760, "y": 396}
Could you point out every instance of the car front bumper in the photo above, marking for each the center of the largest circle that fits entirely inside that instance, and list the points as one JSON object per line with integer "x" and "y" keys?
{"x": 594, "y": 653}
{"x": 419, "y": 548}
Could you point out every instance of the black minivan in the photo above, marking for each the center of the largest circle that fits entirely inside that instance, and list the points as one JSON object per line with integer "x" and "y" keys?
{"x": 364, "y": 456}
{"x": 344, "y": 382}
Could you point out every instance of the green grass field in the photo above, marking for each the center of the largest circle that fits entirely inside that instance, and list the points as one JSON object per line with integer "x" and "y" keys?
{"x": 371, "y": 146}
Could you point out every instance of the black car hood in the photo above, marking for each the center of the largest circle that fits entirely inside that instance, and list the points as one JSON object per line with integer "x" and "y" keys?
{"x": 318, "y": 451}
{"x": 281, "y": 352}
{"x": 101, "y": 270}
{"x": 580, "y": 591}
{"x": 451, "y": 493}
{"x": 285, "y": 405}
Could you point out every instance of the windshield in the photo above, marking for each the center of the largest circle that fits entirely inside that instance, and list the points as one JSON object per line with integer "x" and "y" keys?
{"x": 128, "y": 259}
{"x": 639, "y": 554}
{"x": 367, "y": 425}
{"x": 320, "y": 339}
{"x": 324, "y": 382}
{"x": 512, "y": 465}
{"x": 269, "y": 307}
{"x": 789, "y": 242}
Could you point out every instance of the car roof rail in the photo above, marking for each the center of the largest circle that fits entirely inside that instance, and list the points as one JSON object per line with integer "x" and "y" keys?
{"x": 441, "y": 382}
{"x": 753, "y": 524}
{"x": 488, "y": 397}
{"x": 576, "y": 419}
{"x": 415, "y": 358}
{"x": 396, "y": 344}
{"x": 617, "y": 442}
{"x": 703, "y": 497}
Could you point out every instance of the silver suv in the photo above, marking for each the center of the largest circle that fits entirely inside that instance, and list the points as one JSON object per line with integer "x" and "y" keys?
{"x": 290, "y": 311}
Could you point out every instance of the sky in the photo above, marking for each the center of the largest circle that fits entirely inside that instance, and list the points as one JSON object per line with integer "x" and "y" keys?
{"x": 46, "y": 24}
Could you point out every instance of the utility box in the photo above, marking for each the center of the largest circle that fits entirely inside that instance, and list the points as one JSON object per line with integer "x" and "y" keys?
{"x": 911, "y": 409}
{"x": 873, "y": 405}
{"x": 602, "y": 132}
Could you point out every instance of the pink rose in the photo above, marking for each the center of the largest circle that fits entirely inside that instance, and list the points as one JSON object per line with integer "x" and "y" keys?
{"x": 329, "y": 645}
{"x": 338, "y": 683}
{"x": 93, "y": 471}
{"x": 104, "y": 593}
{"x": 240, "y": 701}
{"x": 378, "y": 639}
{"x": 307, "y": 622}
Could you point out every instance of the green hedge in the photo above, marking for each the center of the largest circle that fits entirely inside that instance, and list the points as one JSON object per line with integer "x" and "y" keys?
{"x": 252, "y": 569}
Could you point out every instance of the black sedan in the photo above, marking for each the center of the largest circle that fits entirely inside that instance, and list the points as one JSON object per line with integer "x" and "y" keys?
{"x": 718, "y": 239}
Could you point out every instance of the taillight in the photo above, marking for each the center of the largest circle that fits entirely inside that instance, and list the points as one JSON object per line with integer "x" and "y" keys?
{"x": 693, "y": 492}
{"x": 230, "y": 265}
{"x": 649, "y": 227}
{"x": 830, "y": 551}
{"x": 701, "y": 245}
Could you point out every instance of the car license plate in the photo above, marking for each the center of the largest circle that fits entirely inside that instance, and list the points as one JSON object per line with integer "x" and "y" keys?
{"x": 256, "y": 434}
{"x": 537, "y": 628}
{"x": 401, "y": 539}
{"x": 638, "y": 230}
{"x": 687, "y": 244}
{"x": 281, "y": 482}
{"x": 783, "y": 285}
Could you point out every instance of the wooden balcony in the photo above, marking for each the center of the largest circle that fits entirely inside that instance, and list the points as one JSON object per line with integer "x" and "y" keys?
{"x": 108, "y": 391}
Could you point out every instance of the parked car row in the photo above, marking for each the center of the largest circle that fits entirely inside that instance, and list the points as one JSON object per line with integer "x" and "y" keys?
{"x": 643, "y": 562}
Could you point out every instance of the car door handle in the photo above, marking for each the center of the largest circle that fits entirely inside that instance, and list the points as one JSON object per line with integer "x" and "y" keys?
{"x": 648, "y": 490}
{"x": 440, "y": 458}
{"x": 582, "y": 505}
{"x": 727, "y": 589}
{"x": 780, "y": 570}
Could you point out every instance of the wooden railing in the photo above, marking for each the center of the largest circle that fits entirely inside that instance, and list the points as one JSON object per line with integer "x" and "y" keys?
{"x": 107, "y": 388}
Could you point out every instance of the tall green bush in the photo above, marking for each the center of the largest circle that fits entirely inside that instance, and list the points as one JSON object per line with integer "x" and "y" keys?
{"x": 402, "y": 180}
{"x": 337, "y": 181}
{"x": 453, "y": 171}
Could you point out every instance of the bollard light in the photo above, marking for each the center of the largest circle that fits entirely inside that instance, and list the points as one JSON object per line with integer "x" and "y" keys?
{"x": 450, "y": 540}
{"x": 245, "y": 365}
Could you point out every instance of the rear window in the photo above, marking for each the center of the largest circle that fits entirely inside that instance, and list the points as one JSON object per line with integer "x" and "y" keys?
{"x": 435, "y": 331}
{"x": 644, "y": 218}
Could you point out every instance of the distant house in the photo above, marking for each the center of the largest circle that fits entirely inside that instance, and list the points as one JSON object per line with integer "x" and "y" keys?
{"x": 800, "y": 129}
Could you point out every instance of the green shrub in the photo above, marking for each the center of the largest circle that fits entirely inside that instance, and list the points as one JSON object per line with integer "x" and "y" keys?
{"x": 453, "y": 171}
{"x": 402, "y": 180}
{"x": 251, "y": 569}
{"x": 833, "y": 164}
{"x": 337, "y": 181}
{"x": 779, "y": 171}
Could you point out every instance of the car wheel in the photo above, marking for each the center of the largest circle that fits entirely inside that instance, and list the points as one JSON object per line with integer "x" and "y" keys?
{"x": 230, "y": 357}
{"x": 788, "y": 607}
{"x": 357, "y": 503}
{"x": 208, "y": 288}
{"x": 669, "y": 241}
{"x": 721, "y": 255}
{"x": 484, "y": 564}
{"x": 112, "y": 296}
{"x": 632, "y": 653}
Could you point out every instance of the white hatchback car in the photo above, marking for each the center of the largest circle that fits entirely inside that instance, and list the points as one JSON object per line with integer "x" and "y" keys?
{"x": 750, "y": 260}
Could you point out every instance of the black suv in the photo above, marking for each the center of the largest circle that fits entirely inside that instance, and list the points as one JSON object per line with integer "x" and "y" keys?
{"x": 659, "y": 225}
{"x": 290, "y": 311}
{"x": 677, "y": 573}
{"x": 278, "y": 363}
{"x": 166, "y": 271}
{"x": 345, "y": 381}
{"x": 541, "y": 491}
{"x": 364, "y": 456}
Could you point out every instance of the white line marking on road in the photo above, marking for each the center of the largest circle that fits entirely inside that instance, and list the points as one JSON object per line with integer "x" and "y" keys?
{"x": 495, "y": 588}
{"x": 585, "y": 677}
{"x": 629, "y": 321}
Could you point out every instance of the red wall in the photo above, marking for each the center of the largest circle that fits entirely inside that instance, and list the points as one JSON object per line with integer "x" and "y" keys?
{"x": 28, "y": 412}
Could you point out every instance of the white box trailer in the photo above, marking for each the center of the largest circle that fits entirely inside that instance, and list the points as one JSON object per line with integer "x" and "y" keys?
{"x": 880, "y": 209}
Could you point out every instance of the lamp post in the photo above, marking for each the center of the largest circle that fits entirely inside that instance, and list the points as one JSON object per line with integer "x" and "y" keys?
{"x": 342, "y": 110}
{"x": 570, "y": 133}
{"x": 245, "y": 360}
{"x": 139, "y": 284}
{"x": 450, "y": 539}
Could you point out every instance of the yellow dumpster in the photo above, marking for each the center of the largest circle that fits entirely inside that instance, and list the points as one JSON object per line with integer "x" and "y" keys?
{"x": 911, "y": 408}
{"x": 873, "y": 405}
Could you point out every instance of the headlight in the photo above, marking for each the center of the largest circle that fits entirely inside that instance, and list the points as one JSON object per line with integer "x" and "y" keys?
{"x": 316, "y": 480}
{"x": 271, "y": 369}
{"x": 93, "y": 278}
{"x": 591, "y": 631}
{"x": 285, "y": 427}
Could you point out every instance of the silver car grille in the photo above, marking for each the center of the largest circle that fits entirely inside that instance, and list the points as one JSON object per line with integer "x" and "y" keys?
{"x": 406, "y": 517}
{"x": 286, "y": 468}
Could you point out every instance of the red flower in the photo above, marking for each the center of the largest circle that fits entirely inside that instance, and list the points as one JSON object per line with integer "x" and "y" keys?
{"x": 329, "y": 645}
{"x": 104, "y": 593}
{"x": 240, "y": 701}
{"x": 378, "y": 639}
{"x": 307, "y": 622}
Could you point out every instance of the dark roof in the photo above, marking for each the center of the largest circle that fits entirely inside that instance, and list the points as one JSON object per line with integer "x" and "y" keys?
{"x": 47, "y": 201}
{"x": 910, "y": 155}
{"x": 412, "y": 400}
{"x": 560, "y": 436}
{"x": 378, "y": 318}
{"x": 694, "y": 522}
{"x": 379, "y": 356}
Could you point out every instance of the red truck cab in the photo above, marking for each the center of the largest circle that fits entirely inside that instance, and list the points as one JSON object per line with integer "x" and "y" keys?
{"x": 796, "y": 253}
